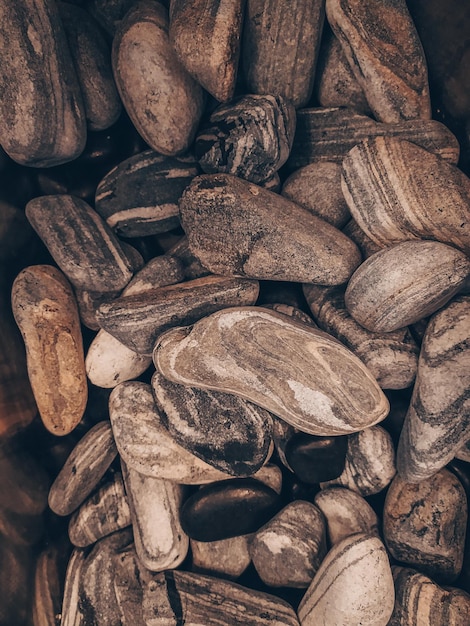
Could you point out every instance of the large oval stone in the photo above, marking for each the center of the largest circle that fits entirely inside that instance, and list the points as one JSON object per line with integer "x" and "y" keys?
{"x": 300, "y": 374}
{"x": 223, "y": 430}
{"x": 228, "y": 508}
{"x": 237, "y": 228}
{"x": 424, "y": 525}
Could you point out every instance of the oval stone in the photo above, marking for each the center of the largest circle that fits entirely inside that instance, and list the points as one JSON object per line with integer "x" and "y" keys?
{"x": 424, "y": 525}
{"x": 316, "y": 459}
{"x": 236, "y": 228}
{"x": 228, "y": 508}
{"x": 237, "y": 351}
{"x": 404, "y": 283}
{"x": 223, "y": 430}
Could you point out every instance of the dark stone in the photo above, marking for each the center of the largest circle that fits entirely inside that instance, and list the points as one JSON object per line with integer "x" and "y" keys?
{"x": 316, "y": 459}
{"x": 228, "y": 508}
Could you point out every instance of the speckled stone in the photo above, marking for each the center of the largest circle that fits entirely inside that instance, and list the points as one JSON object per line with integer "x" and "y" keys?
{"x": 146, "y": 445}
{"x": 241, "y": 355}
{"x": 223, "y": 430}
{"x": 354, "y": 585}
{"x": 250, "y": 138}
{"x": 397, "y": 191}
{"x": 370, "y": 462}
{"x": 317, "y": 187}
{"x": 437, "y": 422}
{"x": 381, "y": 45}
{"x": 288, "y": 550}
{"x": 404, "y": 283}
{"x": 346, "y": 513}
{"x": 233, "y": 229}
{"x": 316, "y": 459}
{"x": 424, "y": 525}
{"x": 419, "y": 600}
{"x": 228, "y": 508}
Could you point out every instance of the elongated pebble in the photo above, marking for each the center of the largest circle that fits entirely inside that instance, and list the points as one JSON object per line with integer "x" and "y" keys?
{"x": 150, "y": 79}
{"x": 206, "y": 37}
{"x": 241, "y": 356}
{"x": 397, "y": 191}
{"x": 137, "y": 320}
{"x": 46, "y": 312}
{"x": 346, "y": 513}
{"x": 385, "y": 54}
{"x": 102, "y": 514}
{"x": 155, "y": 503}
{"x": 391, "y": 357}
{"x": 385, "y": 294}
{"x": 223, "y": 430}
{"x": 288, "y": 550}
{"x": 328, "y": 134}
{"x": 70, "y": 614}
{"x": 214, "y": 214}
{"x": 353, "y": 585}
{"x": 419, "y": 600}
{"x": 146, "y": 445}
{"x": 227, "y": 558}
{"x": 175, "y": 596}
{"x": 139, "y": 197}
{"x": 42, "y": 116}
{"x": 424, "y": 525}
{"x": 129, "y": 578}
{"x": 83, "y": 470}
{"x": 370, "y": 462}
{"x": 81, "y": 243}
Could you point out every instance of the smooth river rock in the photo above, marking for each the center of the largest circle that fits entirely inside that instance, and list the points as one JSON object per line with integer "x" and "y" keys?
{"x": 402, "y": 284}
{"x": 437, "y": 424}
{"x": 397, "y": 191}
{"x": 237, "y": 228}
{"x": 424, "y": 525}
{"x": 287, "y": 367}
{"x": 316, "y": 459}
{"x": 222, "y": 429}
{"x": 354, "y": 585}
{"x": 384, "y": 51}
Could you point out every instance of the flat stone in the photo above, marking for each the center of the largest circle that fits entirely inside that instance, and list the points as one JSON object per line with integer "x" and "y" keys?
{"x": 420, "y": 600}
{"x": 317, "y": 187}
{"x": 223, "y": 430}
{"x": 146, "y": 445}
{"x": 234, "y": 228}
{"x": 370, "y": 462}
{"x": 150, "y": 79}
{"x": 154, "y": 504}
{"x": 346, "y": 513}
{"x": 288, "y": 550}
{"x": 280, "y": 46}
{"x": 397, "y": 191}
{"x": 381, "y": 47}
{"x": 328, "y": 134}
{"x": 241, "y": 355}
{"x": 139, "y": 197}
{"x": 103, "y": 513}
{"x": 83, "y": 469}
{"x": 137, "y": 320}
{"x": 424, "y": 525}
{"x": 206, "y": 37}
{"x": 228, "y": 508}
{"x": 392, "y": 357}
{"x": 436, "y": 424}
{"x": 353, "y": 585}
{"x": 46, "y": 312}
{"x": 316, "y": 459}
{"x": 177, "y": 597}
{"x": 250, "y": 138}
{"x": 404, "y": 283}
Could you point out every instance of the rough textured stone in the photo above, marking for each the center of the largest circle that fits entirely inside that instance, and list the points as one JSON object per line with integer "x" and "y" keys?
{"x": 227, "y": 558}
{"x": 424, "y": 525}
{"x": 241, "y": 355}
